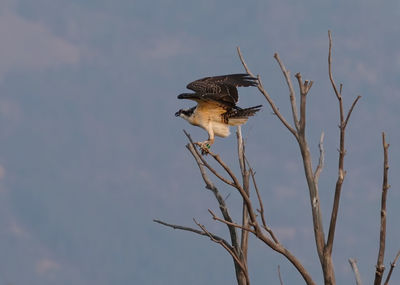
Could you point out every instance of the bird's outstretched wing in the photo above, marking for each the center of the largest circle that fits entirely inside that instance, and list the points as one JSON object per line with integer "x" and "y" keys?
{"x": 221, "y": 89}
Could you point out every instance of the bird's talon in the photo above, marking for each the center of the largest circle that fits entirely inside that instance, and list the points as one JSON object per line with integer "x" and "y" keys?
{"x": 204, "y": 147}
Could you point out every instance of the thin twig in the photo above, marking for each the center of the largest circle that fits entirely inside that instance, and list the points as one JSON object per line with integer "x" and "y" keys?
{"x": 321, "y": 159}
{"x": 228, "y": 170}
{"x": 392, "y": 266}
{"x": 380, "y": 267}
{"x": 351, "y": 110}
{"x": 189, "y": 229}
{"x": 279, "y": 275}
{"x": 261, "y": 210}
{"x": 286, "y": 74}
{"x": 243, "y": 62}
{"x": 338, "y": 94}
{"x": 353, "y": 264}
{"x": 215, "y": 217}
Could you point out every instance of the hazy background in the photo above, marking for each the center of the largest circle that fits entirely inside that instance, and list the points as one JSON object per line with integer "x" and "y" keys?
{"x": 90, "y": 150}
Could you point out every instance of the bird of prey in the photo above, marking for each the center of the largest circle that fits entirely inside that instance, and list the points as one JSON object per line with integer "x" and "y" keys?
{"x": 216, "y": 108}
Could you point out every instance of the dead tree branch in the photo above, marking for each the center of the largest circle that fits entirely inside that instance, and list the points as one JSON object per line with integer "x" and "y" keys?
{"x": 321, "y": 161}
{"x": 338, "y": 93}
{"x": 380, "y": 267}
{"x": 342, "y": 150}
{"x": 246, "y": 229}
{"x": 279, "y": 275}
{"x": 261, "y": 210}
{"x": 292, "y": 96}
{"x": 353, "y": 263}
{"x": 392, "y": 266}
{"x": 205, "y": 163}
{"x": 304, "y": 89}
{"x": 246, "y": 186}
{"x": 189, "y": 229}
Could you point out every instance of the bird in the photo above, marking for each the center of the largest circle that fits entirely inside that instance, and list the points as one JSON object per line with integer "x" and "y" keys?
{"x": 216, "y": 108}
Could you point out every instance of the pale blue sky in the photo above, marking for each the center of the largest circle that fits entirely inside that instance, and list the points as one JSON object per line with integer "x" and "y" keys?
{"x": 91, "y": 151}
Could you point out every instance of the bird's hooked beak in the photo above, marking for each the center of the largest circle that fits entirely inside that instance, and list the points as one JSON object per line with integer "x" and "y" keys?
{"x": 178, "y": 113}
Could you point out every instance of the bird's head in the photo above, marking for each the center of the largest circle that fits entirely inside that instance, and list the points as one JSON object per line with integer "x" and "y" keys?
{"x": 185, "y": 113}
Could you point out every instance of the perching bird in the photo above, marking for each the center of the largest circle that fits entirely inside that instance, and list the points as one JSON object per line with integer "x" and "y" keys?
{"x": 216, "y": 108}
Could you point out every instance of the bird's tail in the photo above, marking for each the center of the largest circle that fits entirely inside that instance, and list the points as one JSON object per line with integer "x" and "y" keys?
{"x": 247, "y": 112}
{"x": 240, "y": 116}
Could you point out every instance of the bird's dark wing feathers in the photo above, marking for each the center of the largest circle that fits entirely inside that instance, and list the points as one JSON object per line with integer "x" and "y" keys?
{"x": 223, "y": 100}
{"x": 222, "y": 88}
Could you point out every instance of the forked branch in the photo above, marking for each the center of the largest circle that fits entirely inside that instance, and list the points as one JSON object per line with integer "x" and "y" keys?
{"x": 261, "y": 88}
{"x": 304, "y": 89}
{"x": 197, "y": 156}
{"x": 342, "y": 151}
{"x": 210, "y": 185}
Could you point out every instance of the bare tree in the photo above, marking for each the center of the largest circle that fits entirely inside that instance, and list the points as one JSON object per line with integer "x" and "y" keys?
{"x": 253, "y": 217}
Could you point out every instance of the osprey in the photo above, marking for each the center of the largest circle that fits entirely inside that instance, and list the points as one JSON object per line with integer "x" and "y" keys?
{"x": 216, "y": 108}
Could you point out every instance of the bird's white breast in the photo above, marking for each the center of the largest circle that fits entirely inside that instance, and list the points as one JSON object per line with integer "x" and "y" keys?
{"x": 208, "y": 116}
